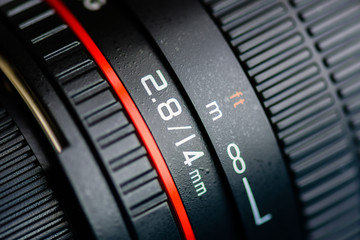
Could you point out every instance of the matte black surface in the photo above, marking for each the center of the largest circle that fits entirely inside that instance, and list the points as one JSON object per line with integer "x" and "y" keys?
{"x": 114, "y": 139}
{"x": 209, "y": 72}
{"x": 286, "y": 96}
{"x": 29, "y": 207}
{"x": 86, "y": 186}
{"x": 133, "y": 58}
{"x": 302, "y": 57}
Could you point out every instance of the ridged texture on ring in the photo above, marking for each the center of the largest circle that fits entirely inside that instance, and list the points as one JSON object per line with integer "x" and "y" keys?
{"x": 303, "y": 59}
{"x": 123, "y": 155}
{"x": 28, "y": 208}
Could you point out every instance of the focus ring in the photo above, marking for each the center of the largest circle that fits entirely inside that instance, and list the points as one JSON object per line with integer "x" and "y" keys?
{"x": 123, "y": 155}
{"x": 28, "y": 208}
{"x": 296, "y": 65}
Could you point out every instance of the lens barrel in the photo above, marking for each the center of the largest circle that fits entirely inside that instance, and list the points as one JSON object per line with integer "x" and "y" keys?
{"x": 179, "y": 119}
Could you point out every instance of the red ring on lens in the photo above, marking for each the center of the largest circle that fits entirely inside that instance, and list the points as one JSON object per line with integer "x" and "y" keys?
{"x": 134, "y": 114}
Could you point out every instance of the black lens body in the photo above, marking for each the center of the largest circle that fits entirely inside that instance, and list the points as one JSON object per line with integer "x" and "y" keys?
{"x": 232, "y": 120}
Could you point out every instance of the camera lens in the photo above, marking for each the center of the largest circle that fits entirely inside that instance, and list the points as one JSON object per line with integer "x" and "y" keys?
{"x": 179, "y": 119}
